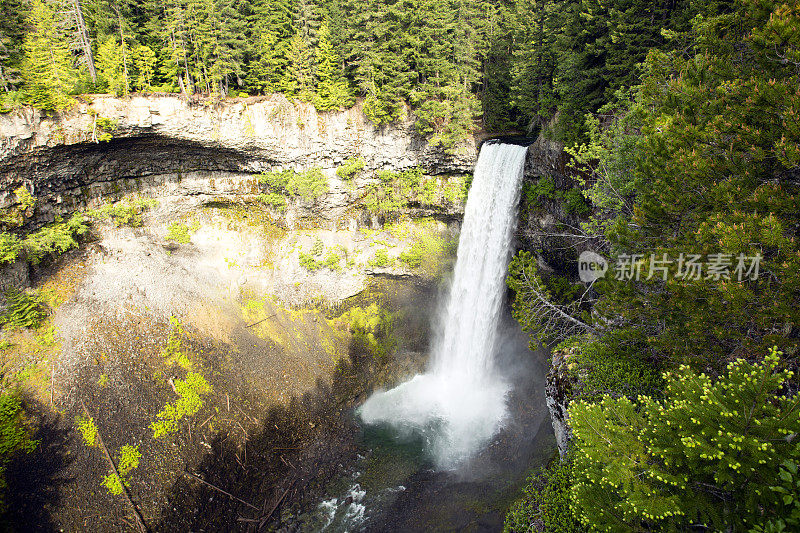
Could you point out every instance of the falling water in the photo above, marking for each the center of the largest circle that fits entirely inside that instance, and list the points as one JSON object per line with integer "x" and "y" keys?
{"x": 459, "y": 404}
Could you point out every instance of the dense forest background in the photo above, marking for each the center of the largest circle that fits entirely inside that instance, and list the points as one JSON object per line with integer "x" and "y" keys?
{"x": 509, "y": 64}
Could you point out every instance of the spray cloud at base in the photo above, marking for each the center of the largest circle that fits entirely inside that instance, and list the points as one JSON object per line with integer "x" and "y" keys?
{"x": 460, "y": 403}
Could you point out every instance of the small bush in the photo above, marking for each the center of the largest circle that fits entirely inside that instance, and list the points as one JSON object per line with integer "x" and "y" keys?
{"x": 546, "y": 500}
{"x": 128, "y": 459}
{"x": 373, "y": 329}
{"x": 23, "y": 310}
{"x": 313, "y": 260}
{"x": 332, "y": 261}
{"x": 381, "y": 259}
{"x": 574, "y": 202}
{"x": 704, "y": 457}
{"x": 24, "y": 198}
{"x": 613, "y": 365}
{"x": 273, "y": 199}
{"x": 350, "y": 169}
{"x": 308, "y": 262}
{"x": 10, "y": 247}
{"x": 113, "y": 484}
{"x": 54, "y": 239}
{"x": 87, "y": 429}
{"x": 14, "y": 436}
{"x": 309, "y": 184}
{"x": 178, "y": 232}
{"x": 123, "y": 213}
{"x": 190, "y": 392}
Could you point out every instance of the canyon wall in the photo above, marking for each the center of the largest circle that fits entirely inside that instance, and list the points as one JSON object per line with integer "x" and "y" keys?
{"x": 198, "y": 147}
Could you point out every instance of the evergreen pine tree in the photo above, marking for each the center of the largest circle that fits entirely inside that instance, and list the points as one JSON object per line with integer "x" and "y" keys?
{"x": 47, "y": 67}
{"x": 332, "y": 90}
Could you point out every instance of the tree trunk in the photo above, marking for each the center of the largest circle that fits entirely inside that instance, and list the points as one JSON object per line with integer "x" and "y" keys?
{"x": 83, "y": 39}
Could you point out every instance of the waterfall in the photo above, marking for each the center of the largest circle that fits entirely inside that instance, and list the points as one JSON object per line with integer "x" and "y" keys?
{"x": 460, "y": 403}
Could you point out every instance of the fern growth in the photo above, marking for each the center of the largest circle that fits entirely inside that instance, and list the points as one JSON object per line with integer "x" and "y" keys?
{"x": 24, "y": 309}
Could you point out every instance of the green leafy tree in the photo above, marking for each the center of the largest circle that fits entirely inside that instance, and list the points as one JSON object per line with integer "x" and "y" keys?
{"x": 707, "y": 453}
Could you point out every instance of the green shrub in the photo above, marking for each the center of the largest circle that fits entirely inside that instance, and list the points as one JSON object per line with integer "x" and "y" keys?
{"x": 128, "y": 459}
{"x": 277, "y": 179}
{"x": 412, "y": 257}
{"x": 189, "y": 402}
{"x": 308, "y": 262}
{"x": 535, "y": 193}
{"x": 787, "y": 513}
{"x": 314, "y": 261}
{"x": 87, "y": 429}
{"x": 546, "y": 500}
{"x": 178, "y": 232}
{"x": 612, "y": 365}
{"x": 456, "y": 189}
{"x": 55, "y": 238}
{"x": 273, "y": 199}
{"x": 24, "y": 309}
{"x": 396, "y": 190}
{"x": 11, "y": 100}
{"x": 381, "y": 259}
{"x": 428, "y": 251}
{"x": 707, "y": 455}
{"x": 332, "y": 261}
{"x": 24, "y": 198}
{"x": 123, "y": 213}
{"x": 10, "y": 247}
{"x": 373, "y": 329}
{"x": 113, "y": 484}
{"x": 575, "y": 203}
{"x": 14, "y": 435}
{"x": 309, "y": 184}
{"x": 350, "y": 168}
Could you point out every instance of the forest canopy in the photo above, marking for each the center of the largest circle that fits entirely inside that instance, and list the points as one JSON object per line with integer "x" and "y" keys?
{"x": 458, "y": 64}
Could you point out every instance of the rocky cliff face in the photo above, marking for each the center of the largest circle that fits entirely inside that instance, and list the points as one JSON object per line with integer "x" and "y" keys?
{"x": 213, "y": 148}
{"x": 543, "y": 229}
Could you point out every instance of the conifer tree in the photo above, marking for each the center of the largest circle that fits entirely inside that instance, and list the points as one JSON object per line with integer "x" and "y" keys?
{"x": 271, "y": 29}
{"x": 298, "y": 80}
{"x": 332, "y": 90}
{"x": 47, "y": 68}
{"x": 111, "y": 67}
{"x": 144, "y": 62}
{"x": 708, "y": 454}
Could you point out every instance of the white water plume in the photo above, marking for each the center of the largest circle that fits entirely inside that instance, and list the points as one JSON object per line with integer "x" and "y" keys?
{"x": 460, "y": 403}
